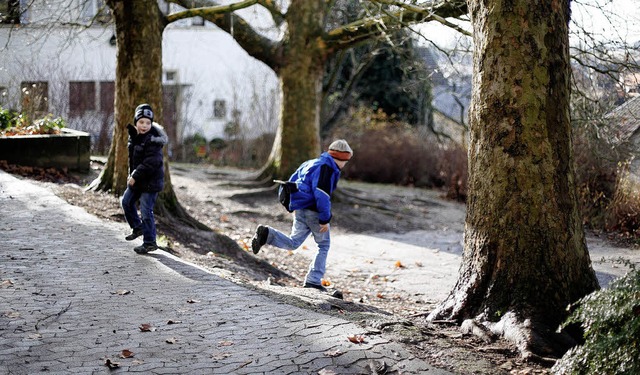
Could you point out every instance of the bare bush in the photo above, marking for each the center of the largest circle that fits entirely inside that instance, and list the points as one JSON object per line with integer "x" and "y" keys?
{"x": 390, "y": 151}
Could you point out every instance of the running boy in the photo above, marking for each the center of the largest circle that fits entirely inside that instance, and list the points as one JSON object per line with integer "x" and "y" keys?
{"x": 316, "y": 180}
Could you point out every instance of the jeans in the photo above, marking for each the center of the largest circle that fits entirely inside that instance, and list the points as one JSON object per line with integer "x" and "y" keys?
{"x": 305, "y": 222}
{"x": 147, "y": 223}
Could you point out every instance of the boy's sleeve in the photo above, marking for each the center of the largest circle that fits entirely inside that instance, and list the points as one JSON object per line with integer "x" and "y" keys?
{"x": 322, "y": 192}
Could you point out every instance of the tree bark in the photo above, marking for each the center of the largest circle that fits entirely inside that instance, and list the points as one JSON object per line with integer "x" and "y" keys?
{"x": 525, "y": 258}
{"x": 298, "y": 134}
{"x": 138, "y": 80}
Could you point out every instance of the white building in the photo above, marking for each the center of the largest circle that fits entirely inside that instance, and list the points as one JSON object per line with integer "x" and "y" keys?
{"x": 59, "y": 57}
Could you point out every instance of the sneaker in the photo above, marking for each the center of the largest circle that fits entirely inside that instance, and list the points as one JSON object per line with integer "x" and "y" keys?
{"x": 145, "y": 248}
{"x": 260, "y": 238}
{"x": 135, "y": 234}
{"x": 314, "y": 286}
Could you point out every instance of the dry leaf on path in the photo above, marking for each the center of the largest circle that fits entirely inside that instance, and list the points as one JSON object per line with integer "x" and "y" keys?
{"x": 193, "y": 301}
{"x": 6, "y": 284}
{"x": 126, "y": 353}
{"x": 220, "y": 356}
{"x": 171, "y": 340}
{"x": 333, "y": 353}
{"x": 121, "y": 292}
{"x": 356, "y": 339}
{"x": 325, "y": 371}
{"x": 174, "y": 322}
{"x": 225, "y": 343}
{"x": 399, "y": 264}
{"x": 146, "y": 327}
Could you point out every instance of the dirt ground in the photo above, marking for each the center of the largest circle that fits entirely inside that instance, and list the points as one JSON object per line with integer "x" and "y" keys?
{"x": 395, "y": 251}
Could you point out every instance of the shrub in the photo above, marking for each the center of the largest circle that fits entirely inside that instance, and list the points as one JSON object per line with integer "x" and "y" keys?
{"x": 390, "y": 151}
{"x": 611, "y": 322}
{"x": 7, "y": 118}
{"x": 623, "y": 213}
{"x": 17, "y": 124}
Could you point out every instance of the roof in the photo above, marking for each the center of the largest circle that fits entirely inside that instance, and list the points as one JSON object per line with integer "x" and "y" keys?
{"x": 626, "y": 117}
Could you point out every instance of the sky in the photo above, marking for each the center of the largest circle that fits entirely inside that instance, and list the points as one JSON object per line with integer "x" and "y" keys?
{"x": 592, "y": 14}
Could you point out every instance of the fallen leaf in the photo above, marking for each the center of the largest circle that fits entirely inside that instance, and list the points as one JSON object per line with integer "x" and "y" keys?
{"x": 126, "y": 353}
{"x": 305, "y": 247}
{"x": 399, "y": 264}
{"x": 380, "y": 295}
{"x": 174, "y": 322}
{"x": 220, "y": 356}
{"x": 192, "y": 301}
{"x": 111, "y": 364}
{"x": 225, "y": 343}
{"x": 6, "y": 284}
{"x": 333, "y": 353}
{"x": 224, "y": 218}
{"x": 245, "y": 245}
{"x": 121, "y": 292}
{"x": 326, "y": 282}
{"x": 171, "y": 340}
{"x": 324, "y": 371}
{"x": 12, "y": 314}
{"x": 356, "y": 339}
{"x": 419, "y": 264}
{"x": 146, "y": 327}
{"x": 35, "y": 336}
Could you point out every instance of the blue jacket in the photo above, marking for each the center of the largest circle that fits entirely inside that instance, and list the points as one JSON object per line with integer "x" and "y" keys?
{"x": 145, "y": 158}
{"x": 316, "y": 180}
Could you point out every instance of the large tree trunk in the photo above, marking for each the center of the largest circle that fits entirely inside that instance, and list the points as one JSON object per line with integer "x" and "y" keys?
{"x": 525, "y": 257}
{"x": 138, "y": 80}
{"x": 304, "y": 57}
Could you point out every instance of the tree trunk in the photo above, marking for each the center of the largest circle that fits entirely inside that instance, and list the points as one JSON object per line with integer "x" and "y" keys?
{"x": 138, "y": 80}
{"x": 304, "y": 57}
{"x": 525, "y": 258}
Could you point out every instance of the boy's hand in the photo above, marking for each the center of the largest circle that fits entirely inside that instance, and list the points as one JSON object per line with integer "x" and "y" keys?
{"x": 131, "y": 181}
{"x": 324, "y": 228}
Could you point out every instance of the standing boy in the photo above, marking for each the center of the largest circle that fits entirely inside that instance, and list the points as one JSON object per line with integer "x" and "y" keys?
{"x": 316, "y": 180}
{"x": 146, "y": 177}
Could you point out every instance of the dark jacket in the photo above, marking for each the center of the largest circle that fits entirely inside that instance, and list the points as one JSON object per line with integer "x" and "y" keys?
{"x": 145, "y": 158}
{"x": 316, "y": 180}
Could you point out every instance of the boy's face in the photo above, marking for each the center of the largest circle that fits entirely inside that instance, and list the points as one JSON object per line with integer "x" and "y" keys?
{"x": 143, "y": 125}
{"x": 340, "y": 163}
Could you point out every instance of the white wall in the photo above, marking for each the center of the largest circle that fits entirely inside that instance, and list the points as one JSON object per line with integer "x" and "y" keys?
{"x": 209, "y": 65}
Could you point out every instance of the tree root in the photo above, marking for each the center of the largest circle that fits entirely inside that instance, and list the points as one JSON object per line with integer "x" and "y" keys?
{"x": 535, "y": 341}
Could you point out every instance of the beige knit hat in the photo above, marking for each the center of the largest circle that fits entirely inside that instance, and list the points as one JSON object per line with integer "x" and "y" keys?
{"x": 340, "y": 150}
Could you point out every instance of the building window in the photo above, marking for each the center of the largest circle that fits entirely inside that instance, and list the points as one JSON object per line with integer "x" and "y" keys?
{"x": 10, "y": 11}
{"x": 95, "y": 10}
{"x": 107, "y": 96}
{"x": 82, "y": 98}
{"x": 35, "y": 98}
{"x": 170, "y": 76}
{"x": 219, "y": 109}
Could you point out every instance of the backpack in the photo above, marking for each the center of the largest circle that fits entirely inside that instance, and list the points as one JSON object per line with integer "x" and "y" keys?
{"x": 285, "y": 190}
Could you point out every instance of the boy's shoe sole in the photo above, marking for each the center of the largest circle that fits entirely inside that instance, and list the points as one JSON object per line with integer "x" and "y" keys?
{"x": 315, "y": 286}
{"x": 335, "y": 294}
{"x": 144, "y": 248}
{"x": 259, "y": 239}
{"x": 135, "y": 234}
